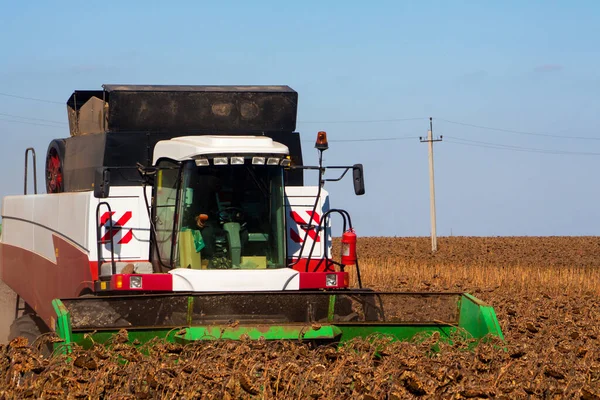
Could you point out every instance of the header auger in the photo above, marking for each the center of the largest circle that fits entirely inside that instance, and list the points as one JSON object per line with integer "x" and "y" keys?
{"x": 180, "y": 212}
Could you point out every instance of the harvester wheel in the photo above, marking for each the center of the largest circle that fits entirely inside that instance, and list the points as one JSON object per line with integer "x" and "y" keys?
{"x": 31, "y": 327}
{"x": 55, "y": 158}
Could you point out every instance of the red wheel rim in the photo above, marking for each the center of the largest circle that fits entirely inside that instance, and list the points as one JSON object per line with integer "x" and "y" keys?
{"x": 54, "y": 172}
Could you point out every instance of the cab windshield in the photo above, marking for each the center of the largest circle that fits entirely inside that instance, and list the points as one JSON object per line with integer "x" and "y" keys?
{"x": 227, "y": 216}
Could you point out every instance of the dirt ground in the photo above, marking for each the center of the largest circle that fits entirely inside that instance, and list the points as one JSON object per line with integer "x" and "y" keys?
{"x": 551, "y": 352}
{"x": 547, "y": 251}
{"x": 7, "y": 311}
{"x": 545, "y": 292}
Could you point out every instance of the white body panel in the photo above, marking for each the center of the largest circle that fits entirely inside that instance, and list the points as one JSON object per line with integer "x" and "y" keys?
{"x": 30, "y": 221}
{"x": 132, "y": 241}
{"x": 299, "y": 203}
{"x": 187, "y": 147}
{"x": 234, "y": 280}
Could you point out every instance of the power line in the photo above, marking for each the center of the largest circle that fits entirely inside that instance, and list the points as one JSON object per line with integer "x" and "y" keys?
{"x": 374, "y": 139}
{"x": 33, "y": 119}
{"x": 508, "y": 146}
{"x": 361, "y": 121}
{"x": 366, "y": 140}
{"x": 497, "y": 146}
{"x": 31, "y": 123}
{"x": 31, "y": 98}
{"x": 522, "y": 148}
{"x": 519, "y": 132}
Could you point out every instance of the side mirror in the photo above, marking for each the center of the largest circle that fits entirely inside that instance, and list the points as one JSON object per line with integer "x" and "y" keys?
{"x": 102, "y": 183}
{"x": 359, "y": 179}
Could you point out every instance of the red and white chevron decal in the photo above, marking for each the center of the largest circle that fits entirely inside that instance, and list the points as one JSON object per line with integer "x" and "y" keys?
{"x": 117, "y": 226}
{"x": 312, "y": 233}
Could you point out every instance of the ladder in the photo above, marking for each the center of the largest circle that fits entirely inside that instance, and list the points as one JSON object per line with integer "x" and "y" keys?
{"x": 99, "y": 242}
{"x": 20, "y": 306}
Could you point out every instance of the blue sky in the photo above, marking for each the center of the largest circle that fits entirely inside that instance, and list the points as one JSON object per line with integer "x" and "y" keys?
{"x": 531, "y": 67}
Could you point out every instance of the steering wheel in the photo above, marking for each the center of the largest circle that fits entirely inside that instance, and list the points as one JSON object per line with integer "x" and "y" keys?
{"x": 231, "y": 214}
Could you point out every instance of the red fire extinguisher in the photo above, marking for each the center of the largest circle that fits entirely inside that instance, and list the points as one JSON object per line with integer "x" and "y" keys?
{"x": 349, "y": 247}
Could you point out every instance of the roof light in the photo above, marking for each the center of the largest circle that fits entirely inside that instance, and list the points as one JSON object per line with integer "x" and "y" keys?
{"x": 286, "y": 162}
{"x": 237, "y": 160}
{"x": 258, "y": 160}
{"x": 273, "y": 161}
{"x": 202, "y": 162}
{"x": 220, "y": 161}
{"x": 321, "y": 143}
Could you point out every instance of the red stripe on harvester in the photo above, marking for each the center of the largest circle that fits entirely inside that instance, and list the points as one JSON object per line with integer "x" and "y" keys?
{"x": 110, "y": 233}
{"x": 105, "y": 217}
{"x": 297, "y": 219}
{"x": 127, "y": 237}
{"x": 123, "y": 220}
{"x": 311, "y": 232}
{"x": 94, "y": 270}
{"x": 295, "y": 237}
{"x": 316, "y": 217}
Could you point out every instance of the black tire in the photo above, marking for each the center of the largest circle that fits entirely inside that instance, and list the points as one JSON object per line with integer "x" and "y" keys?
{"x": 30, "y": 327}
{"x": 55, "y": 159}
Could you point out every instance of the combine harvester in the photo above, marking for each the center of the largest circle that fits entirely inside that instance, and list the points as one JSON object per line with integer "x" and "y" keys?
{"x": 180, "y": 212}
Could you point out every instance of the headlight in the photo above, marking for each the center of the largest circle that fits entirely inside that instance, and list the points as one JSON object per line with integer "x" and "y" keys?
{"x": 286, "y": 162}
{"x": 258, "y": 160}
{"x": 273, "y": 161}
{"x": 237, "y": 160}
{"x": 135, "y": 282}
{"x": 331, "y": 280}
{"x": 220, "y": 161}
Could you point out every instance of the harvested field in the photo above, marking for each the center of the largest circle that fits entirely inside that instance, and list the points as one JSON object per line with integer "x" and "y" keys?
{"x": 552, "y": 251}
{"x": 555, "y": 264}
{"x": 546, "y": 293}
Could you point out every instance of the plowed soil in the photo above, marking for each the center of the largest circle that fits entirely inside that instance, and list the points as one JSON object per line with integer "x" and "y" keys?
{"x": 551, "y": 323}
{"x": 553, "y": 251}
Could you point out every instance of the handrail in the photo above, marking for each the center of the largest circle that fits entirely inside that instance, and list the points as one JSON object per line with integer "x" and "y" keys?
{"x": 26, "y": 171}
{"x": 99, "y": 240}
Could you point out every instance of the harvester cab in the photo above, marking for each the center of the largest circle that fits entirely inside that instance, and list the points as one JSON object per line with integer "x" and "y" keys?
{"x": 221, "y": 205}
{"x": 221, "y": 210}
{"x": 181, "y": 212}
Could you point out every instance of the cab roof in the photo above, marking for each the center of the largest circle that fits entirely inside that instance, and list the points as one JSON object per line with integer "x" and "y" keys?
{"x": 190, "y": 147}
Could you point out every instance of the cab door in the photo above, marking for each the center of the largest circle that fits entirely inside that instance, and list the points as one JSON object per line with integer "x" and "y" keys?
{"x": 167, "y": 189}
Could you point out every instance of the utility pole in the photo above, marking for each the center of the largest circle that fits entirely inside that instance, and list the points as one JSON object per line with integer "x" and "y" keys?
{"x": 430, "y": 141}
